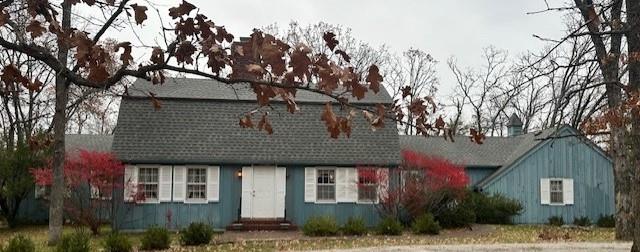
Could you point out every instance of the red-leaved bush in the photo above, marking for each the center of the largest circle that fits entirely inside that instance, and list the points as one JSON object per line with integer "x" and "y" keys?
{"x": 439, "y": 173}
{"x": 424, "y": 184}
{"x": 91, "y": 179}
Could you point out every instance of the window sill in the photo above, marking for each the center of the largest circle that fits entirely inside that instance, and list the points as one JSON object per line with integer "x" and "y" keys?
{"x": 359, "y": 202}
{"x": 196, "y": 202}
{"x": 155, "y": 201}
{"x": 325, "y": 202}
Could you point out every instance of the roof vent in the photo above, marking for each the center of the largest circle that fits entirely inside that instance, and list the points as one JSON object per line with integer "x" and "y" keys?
{"x": 514, "y": 128}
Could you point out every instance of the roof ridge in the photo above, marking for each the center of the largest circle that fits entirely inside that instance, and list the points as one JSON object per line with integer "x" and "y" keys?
{"x": 209, "y": 89}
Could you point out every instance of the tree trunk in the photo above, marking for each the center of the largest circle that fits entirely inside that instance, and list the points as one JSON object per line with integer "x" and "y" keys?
{"x": 633, "y": 45}
{"x": 609, "y": 66}
{"x": 622, "y": 180}
{"x": 56, "y": 207}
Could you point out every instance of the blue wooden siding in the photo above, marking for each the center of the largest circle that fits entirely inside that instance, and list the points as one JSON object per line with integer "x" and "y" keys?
{"x": 567, "y": 157}
{"x": 222, "y": 213}
{"x": 298, "y": 211}
{"x": 33, "y": 210}
{"x": 219, "y": 214}
{"x": 477, "y": 173}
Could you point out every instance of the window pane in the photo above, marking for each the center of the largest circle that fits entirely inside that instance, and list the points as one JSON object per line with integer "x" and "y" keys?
{"x": 197, "y": 175}
{"x": 367, "y": 193}
{"x": 148, "y": 182}
{"x": 556, "y": 193}
{"x": 326, "y": 185}
{"x": 196, "y": 183}
{"x": 556, "y": 197}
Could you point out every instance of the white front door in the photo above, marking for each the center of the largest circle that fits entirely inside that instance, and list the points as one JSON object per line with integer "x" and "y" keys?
{"x": 263, "y": 192}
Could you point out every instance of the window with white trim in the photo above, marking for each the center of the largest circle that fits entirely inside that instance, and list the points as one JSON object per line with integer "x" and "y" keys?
{"x": 367, "y": 187}
{"x": 197, "y": 184}
{"x": 148, "y": 179}
{"x": 326, "y": 185}
{"x": 555, "y": 191}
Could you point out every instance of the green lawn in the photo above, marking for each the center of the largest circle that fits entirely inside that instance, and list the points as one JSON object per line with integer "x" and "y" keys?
{"x": 491, "y": 234}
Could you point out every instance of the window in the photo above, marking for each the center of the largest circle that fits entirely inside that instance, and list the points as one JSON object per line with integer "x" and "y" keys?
{"x": 411, "y": 177}
{"x": 196, "y": 184}
{"x": 326, "y": 185}
{"x": 556, "y": 193}
{"x": 148, "y": 183}
{"x": 43, "y": 192}
{"x": 96, "y": 193}
{"x": 367, "y": 188}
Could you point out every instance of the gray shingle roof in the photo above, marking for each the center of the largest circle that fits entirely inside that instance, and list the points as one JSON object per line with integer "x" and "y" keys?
{"x": 204, "y": 129}
{"x": 215, "y": 90}
{"x": 75, "y": 142}
{"x": 495, "y": 151}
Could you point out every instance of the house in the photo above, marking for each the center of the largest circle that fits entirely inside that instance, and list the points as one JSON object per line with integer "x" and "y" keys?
{"x": 34, "y": 209}
{"x": 192, "y": 162}
{"x": 553, "y": 172}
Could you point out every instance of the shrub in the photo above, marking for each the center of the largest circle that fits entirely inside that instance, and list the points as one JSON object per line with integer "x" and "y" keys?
{"x": 116, "y": 242}
{"x": 458, "y": 215}
{"x": 320, "y": 226}
{"x": 556, "y": 221}
{"x": 75, "y": 242}
{"x": 19, "y": 243}
{"x": 389, "y": 226}
{"x": 354, "y": 226}
{"x": 582, "y": 221}
{"x": 155, "y": 238}
{"x": 494, "y": 209}
{"x": 426, "y": 224}
{"x": 196, "y": 234}
{"x": 606, "y": 221}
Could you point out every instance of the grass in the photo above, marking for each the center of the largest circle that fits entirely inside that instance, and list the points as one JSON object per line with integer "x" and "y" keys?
{"x": 499, "y": 234}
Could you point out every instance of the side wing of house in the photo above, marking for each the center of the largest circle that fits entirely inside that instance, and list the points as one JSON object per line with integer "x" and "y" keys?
{"x": 562, "y": 176}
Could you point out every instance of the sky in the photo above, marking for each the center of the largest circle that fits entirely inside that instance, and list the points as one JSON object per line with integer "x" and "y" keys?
{"x": 443, "y": 28}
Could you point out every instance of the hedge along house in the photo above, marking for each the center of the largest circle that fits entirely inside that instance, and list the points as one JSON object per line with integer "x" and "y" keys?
{"x": 553, "y": 172}
{"x": 194, "y": 163}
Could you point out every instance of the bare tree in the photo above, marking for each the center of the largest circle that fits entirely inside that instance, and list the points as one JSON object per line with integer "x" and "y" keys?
{"x": 414, "y": 71}
{"x": 362, "y": 54}
{"x": 485, "y": 90}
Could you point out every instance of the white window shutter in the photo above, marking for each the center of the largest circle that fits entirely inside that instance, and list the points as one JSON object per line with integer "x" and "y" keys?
{"x": 281, "y": 190}
{"x": 383, "y": 183}
{"x": 545, "y": 191}
{"x": 179, "y": 183}
{"x": 567, "y": 190}
{"x": 341, "y": 185}
{"x": 213, "y": 183}
{"x": 164, "y": 183}
{"x": 130, "y": 182}
{"x": 352, "y": 184}
{"x": 309, "y": 184}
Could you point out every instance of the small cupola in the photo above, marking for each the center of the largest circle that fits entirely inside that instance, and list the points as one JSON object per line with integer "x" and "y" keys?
{"x": 514, "y": 128}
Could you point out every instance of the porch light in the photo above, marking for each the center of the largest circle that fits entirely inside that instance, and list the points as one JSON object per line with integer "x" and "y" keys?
{"x": 239, "y": 173}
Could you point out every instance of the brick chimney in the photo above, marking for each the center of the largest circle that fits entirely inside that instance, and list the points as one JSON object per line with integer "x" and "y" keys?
{"x": 514, "y": 128}
{"x": 240, "y": 63}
